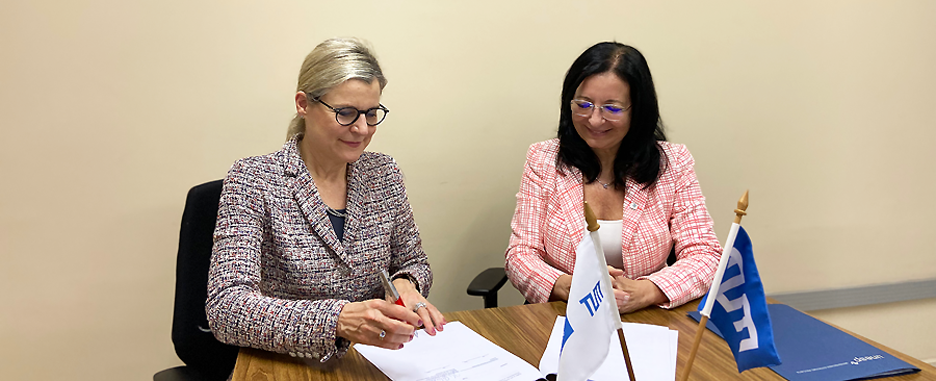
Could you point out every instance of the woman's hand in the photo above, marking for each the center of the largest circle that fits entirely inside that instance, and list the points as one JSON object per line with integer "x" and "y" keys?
{"x": 378, "y": 323}
{"x": 429, "y": 315}
{"x": 561, "y": 288}
{"x": 632, "y": 295}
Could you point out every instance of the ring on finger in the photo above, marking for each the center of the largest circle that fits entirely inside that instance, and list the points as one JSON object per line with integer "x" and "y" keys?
{"x": 382, "y": 334}
{"x": 418, "y": 306}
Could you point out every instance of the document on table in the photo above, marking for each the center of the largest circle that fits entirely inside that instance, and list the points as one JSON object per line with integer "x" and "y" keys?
{"x": 652, "y": 349}
{"x": 457, "y": 353}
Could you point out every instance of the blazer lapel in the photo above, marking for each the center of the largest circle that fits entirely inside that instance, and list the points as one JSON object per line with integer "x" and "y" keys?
{"x": 570, "y": 192}
{"x": 635, "y": 200}
{"x": 305, "y": 193}
{"x": 355, "y": 203}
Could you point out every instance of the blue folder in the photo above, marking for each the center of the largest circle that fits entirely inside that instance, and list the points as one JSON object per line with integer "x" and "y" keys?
{"x": 815, "y": 351}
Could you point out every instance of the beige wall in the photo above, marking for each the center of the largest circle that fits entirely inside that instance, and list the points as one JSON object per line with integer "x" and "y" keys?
{"x": 111, "y": 110}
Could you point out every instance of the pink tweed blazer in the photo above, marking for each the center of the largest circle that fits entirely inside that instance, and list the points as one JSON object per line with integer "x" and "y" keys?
{"x": 548, "y": 224}
{"x": 279, "y": 277}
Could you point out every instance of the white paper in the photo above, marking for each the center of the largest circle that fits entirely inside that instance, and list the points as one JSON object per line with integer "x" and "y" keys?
{"x": 652, "y": 350}
{"x": 457, "y": 353}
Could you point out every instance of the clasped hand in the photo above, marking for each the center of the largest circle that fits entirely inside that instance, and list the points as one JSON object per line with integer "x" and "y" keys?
{"x": 632, "y": 295}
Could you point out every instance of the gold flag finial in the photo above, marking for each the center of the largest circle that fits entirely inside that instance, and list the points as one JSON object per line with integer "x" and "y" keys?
{"x": 742, "y": 208}
{"x": 590, "y": 218}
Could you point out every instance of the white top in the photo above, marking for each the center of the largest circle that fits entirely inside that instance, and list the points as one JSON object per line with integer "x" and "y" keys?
{"x": 610, "y": 235}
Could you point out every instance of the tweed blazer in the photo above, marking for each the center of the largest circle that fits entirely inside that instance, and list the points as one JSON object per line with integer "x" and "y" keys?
{"x": 279, "y": 277}
{"x": 549, "y": 223}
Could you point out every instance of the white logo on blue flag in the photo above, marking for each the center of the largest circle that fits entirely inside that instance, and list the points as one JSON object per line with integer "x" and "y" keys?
{"x": 741, "y": 309}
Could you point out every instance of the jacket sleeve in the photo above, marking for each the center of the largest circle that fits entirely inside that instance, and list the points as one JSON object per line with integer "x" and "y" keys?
{"x": 526, "y": 253}
{"x": 238, "y": 313}
{"x": 697, "y": 247}
{"x": 407, "y": 255}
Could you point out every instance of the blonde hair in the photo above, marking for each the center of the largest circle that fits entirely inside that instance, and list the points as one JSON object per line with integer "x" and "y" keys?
{"x": 330, "y": 64}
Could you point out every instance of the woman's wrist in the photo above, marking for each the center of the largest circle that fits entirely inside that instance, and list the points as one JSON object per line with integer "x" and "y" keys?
{"x": 655, "y": 294}
{"x": 404, "y": 279}
{"x": 561, "y": 288}
{"x": 404, "y": 285}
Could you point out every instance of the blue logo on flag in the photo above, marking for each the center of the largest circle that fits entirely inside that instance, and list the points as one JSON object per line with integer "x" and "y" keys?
{"x": 590, "y": 311}
{"x": 566, "y": 334}
{"x": 740, "y": 311}
{"x": 593, "y": 300}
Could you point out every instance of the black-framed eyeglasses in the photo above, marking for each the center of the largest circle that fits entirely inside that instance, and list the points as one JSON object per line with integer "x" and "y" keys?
{"x": 611, "y": 112}
{"x": 346, "y": 116}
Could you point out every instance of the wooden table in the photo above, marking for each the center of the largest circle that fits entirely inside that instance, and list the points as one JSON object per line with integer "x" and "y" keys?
{"x": 524, "y": 331}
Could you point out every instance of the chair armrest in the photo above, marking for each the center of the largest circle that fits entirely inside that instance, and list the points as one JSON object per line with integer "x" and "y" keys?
{"x": 488, "y": 282}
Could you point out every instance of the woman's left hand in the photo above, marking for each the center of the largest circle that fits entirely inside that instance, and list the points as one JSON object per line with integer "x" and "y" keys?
{"x": 431, "y": 318}
{"x": 632, "y": 295}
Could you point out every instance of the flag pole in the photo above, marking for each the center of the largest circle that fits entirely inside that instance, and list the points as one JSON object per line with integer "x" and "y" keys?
{"x": 592, "y": 228}
{"x": 741, "y": 211}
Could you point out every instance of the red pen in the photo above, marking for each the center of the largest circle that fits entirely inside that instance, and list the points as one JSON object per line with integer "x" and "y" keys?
{"x": 389, "y": 290}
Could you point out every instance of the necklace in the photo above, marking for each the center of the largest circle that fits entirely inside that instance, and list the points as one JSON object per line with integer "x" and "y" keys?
{"x": 335, "y": 212}
{"x": 603, "y": 184}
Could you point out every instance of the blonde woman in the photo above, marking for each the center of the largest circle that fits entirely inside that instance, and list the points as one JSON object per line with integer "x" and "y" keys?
{"x": 303, "y": 233}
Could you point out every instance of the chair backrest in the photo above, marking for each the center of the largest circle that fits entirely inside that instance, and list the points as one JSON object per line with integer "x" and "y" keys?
{"x": 671, "y": 258}
{"x": 194, "y": 343}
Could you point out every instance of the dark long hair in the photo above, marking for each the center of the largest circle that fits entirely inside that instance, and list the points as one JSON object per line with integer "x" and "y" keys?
{"x": 639, "y": 157}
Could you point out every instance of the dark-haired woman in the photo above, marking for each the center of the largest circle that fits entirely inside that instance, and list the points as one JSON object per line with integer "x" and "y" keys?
{"x": 611, "y": 151}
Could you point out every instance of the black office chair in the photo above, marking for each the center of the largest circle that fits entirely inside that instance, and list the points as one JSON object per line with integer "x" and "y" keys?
{"x": 489, "y": 282}
{"x": 205, "y": 357}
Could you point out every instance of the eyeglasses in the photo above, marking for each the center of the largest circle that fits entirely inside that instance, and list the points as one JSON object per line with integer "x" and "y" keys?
{"x": 610, "y": 112}
{"x": 346, "y": 116}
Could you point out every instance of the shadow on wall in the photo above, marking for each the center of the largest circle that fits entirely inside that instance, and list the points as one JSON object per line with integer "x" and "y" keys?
{"x": 119, "y": 297}
{"x": 482, "y": 245}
